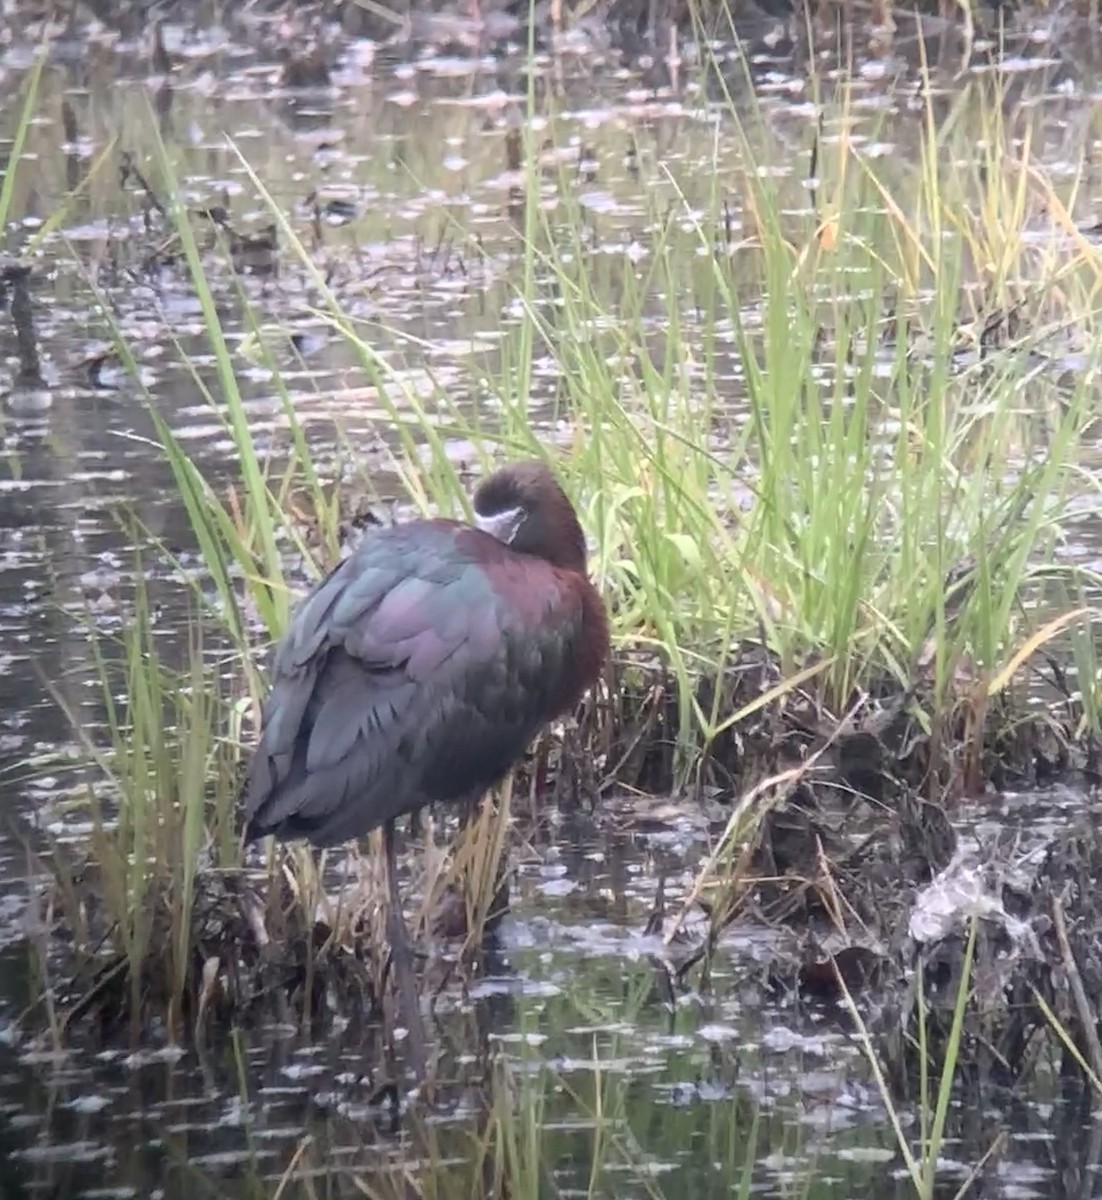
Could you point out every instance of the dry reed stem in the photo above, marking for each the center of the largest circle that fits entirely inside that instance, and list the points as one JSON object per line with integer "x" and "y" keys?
{"x": 1087, "y": 1020}
{"x": 479, "y": 862}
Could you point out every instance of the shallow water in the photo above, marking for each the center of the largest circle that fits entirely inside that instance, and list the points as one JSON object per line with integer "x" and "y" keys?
{"x": 408, "y": 149}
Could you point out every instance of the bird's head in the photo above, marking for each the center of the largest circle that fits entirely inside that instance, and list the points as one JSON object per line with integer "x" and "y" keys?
{"x": 523, "y": 506}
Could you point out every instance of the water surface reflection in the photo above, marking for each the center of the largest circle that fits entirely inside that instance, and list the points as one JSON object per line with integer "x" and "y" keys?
{"x": 398, "y": 174}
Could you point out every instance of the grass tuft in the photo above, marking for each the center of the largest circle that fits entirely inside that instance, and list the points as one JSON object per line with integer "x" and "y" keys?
{"x": 829, "y": 462}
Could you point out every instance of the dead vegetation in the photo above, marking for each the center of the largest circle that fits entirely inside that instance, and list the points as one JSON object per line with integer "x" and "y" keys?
{"x": 837, "y": 807}
{"x": 838, "y": 829}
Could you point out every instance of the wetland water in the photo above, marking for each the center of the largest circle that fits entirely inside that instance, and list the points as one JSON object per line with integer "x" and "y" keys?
{"x": 406, "y": 148}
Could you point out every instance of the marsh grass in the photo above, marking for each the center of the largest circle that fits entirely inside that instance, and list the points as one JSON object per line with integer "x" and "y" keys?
{"x": 160, "y": 801}
{"x": 466, "y": 893}
{"x": 19, "y": 137}
{"x": 819, "y": 434}
{"x": 935, "y": 1089}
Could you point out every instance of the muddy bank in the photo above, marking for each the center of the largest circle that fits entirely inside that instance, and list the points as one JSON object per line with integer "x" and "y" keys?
{"x": 852, "y": 836}
{"x": 864, "y": 833}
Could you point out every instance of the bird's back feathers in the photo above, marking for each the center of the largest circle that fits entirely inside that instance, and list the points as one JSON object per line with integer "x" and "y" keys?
{"x": 418, "y": 670}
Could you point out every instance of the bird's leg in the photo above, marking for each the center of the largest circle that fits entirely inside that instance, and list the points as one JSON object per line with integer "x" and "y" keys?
{"x": 471, "y": 809}
{"x": 402, "y": 958}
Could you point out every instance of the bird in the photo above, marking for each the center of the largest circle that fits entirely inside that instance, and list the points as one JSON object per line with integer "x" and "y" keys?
{"x": 420, "y": 669}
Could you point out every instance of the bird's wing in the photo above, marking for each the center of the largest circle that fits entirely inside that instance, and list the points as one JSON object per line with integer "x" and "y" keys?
{"x": 407, "y": 676}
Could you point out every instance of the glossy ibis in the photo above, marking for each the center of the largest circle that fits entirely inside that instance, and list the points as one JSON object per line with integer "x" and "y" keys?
{"x": 420, "y": 669}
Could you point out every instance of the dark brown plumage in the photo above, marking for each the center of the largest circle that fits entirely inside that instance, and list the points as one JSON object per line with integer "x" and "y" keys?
{"x": 420, "y": 669}
{"x": 422, "y": 666}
